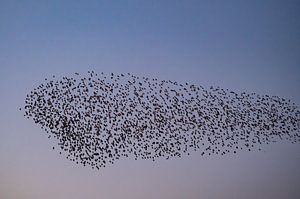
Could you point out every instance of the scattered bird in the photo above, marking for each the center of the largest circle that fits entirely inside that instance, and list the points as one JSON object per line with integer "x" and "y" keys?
{"x": 98, "y": 119}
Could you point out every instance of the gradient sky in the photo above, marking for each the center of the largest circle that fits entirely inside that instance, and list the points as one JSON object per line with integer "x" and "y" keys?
{"x": 241, "y": 45}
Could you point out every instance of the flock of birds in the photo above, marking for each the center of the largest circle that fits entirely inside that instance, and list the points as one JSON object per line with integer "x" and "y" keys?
{"x": 98, "y": 118}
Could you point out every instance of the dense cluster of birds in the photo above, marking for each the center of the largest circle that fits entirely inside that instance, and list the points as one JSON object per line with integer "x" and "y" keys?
{"x": 99, "y": 118}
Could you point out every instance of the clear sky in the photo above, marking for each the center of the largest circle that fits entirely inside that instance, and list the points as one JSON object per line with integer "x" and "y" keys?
{"x": 250, "y": 46}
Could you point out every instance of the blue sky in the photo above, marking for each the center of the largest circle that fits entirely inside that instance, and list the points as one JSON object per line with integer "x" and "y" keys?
{"x": 250, "y": 46}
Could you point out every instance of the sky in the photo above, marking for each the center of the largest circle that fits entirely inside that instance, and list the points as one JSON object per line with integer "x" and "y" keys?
{"x": 250, "y": 46}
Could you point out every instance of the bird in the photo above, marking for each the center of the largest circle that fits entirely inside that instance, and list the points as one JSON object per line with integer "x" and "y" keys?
{"x": 97, "y": 119}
